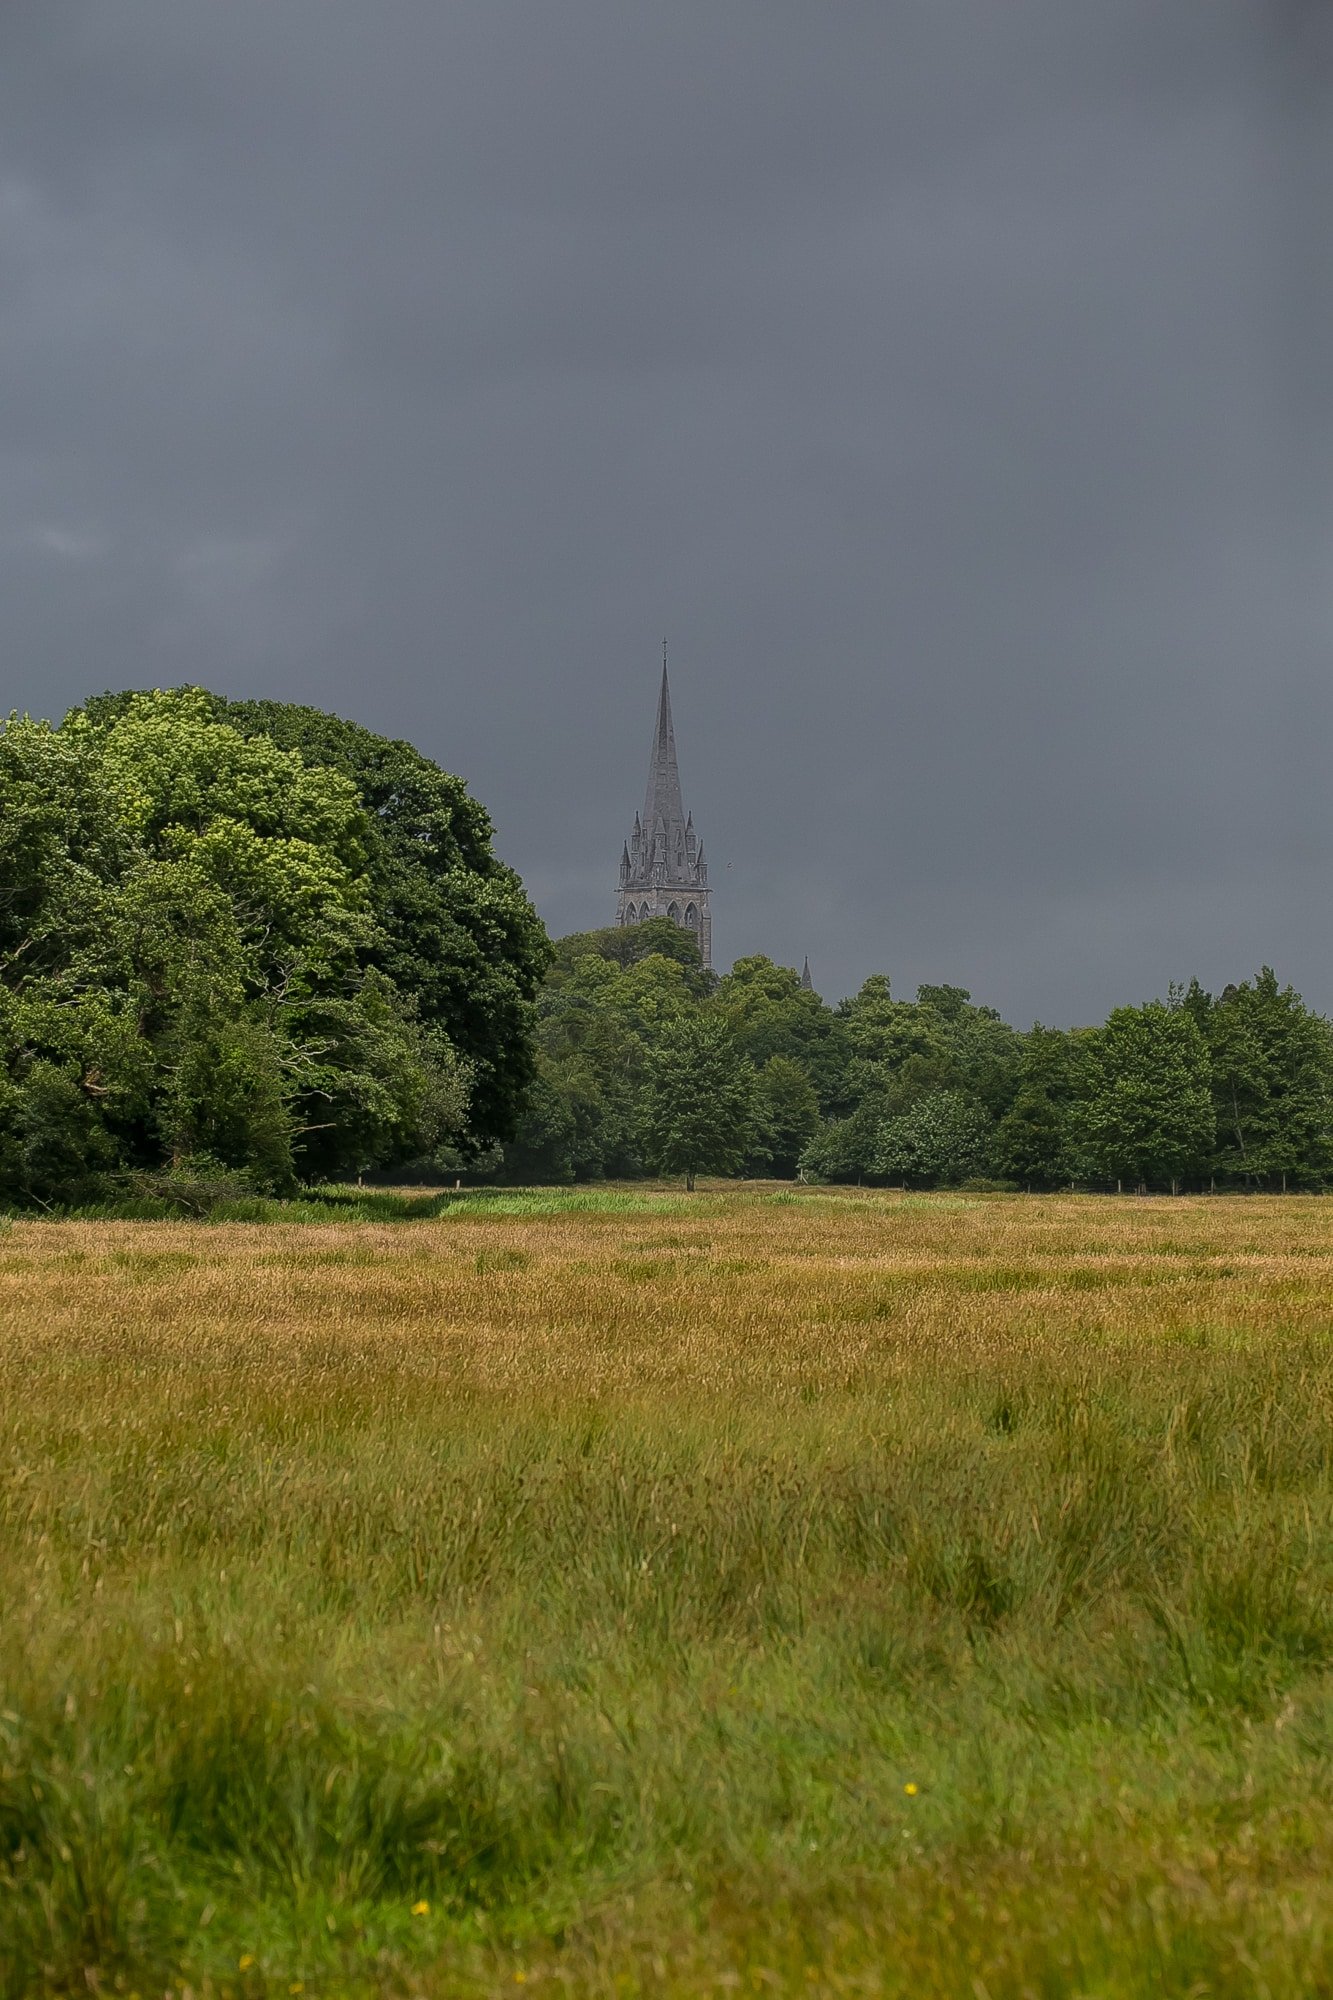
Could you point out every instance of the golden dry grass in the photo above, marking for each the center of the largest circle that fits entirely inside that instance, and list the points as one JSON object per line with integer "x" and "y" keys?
{"x": 602, "y": 1577}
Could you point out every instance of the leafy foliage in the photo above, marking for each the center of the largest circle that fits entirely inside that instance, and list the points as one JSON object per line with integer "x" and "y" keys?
{"x": 1028, "y": 1146}
{"x": 698, "y": 1101}
{"x": 786, "y": 1115}
{"x": 1147, "y": 1114}
{"x": 452, "y": 927}
{"x": 656, "y": 937}
{"x": 934, "y": 1091}
{"x": 942, "y": 1140}
{"x": 248, "y": 939}
{"x": 771, "y": 1015}
{"x": 1271, "y": 1071}
{"x": 194, "y": 963}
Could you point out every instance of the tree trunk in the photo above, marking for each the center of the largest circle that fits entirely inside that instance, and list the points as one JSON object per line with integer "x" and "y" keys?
{"x": 689, "y": 1180}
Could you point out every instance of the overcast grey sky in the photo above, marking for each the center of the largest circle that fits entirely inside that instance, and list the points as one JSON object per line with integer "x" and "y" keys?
{"x": 949, "y": 379}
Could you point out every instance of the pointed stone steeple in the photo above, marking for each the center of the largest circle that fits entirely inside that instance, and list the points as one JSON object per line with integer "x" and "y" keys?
{"x": 663, "y": 802}
{"x": 807, "y": 983}
{"x": 667, "y": 875}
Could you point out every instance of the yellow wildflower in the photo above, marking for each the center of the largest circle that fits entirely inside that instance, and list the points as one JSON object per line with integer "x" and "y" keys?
{"x": 246, "y": 1960}
{"x": 421, "y": 1909}
{"x": 911, "y": 1789}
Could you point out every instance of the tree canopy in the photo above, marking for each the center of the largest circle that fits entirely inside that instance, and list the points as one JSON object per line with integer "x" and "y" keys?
{"x": 250, "y": 938}
{"x": 204, "y": 954}
{"x": 698, "y": 1101}
{"x": 1146, "y": 1113}
{"x": 452, "y": 926}
{"x": 936, "y": 1091}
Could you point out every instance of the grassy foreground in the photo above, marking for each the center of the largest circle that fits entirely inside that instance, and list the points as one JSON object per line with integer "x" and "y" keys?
{"x": 808, "y": 1593}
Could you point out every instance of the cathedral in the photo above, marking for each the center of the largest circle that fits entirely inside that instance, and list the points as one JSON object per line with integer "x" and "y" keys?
{"x": 663, "y": 872}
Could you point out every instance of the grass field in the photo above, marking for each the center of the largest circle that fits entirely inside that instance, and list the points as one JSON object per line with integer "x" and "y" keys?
{"x": 632, "y": 1593}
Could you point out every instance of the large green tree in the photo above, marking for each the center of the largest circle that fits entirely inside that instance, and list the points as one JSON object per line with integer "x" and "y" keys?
{"x": 983, "y": 1054}
{"x": 698, "y": 1101}
{"x": 786, "y": 1116}
{"x": 1147, "y": 1113}
{"x": 772, "y": 1015}
{"x": 902, "y": 1055}
{"x": 607, "y": 997}
{"x": 845, "y": 1149}
{"x": 187, "y": 941}
{"x": 939, "y": 1141}
{"x": 1271, "y": 1063}
{"x": 446, "y": 921}
{"x": 1029, "y": 1143}
{"x": 902, "y": 1050}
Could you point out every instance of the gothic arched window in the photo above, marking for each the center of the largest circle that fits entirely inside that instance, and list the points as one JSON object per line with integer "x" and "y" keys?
{"x": 673, "y": 911}
{"x": 692, "y": 916}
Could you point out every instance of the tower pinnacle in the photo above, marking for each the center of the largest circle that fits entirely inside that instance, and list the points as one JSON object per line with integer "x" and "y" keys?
{"x": 667, "y": 874}
{"x": 663, "y": 801}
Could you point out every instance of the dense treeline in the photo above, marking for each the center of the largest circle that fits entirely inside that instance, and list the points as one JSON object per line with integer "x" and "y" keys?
{"x": 646, "y": 1062}
{"x": 247, "y": 940}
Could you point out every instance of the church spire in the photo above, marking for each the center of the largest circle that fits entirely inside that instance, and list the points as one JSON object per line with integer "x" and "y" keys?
{"x": 663, "y": 869}
{"x": 807, "y": 983}
{"x": 663, "y": 801}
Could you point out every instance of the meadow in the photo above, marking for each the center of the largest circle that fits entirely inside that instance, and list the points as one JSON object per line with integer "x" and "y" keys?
{"x": 630, "y": 1593}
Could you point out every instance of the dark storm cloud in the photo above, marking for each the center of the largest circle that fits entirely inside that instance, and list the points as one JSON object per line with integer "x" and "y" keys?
{"x": 948, "y": 379}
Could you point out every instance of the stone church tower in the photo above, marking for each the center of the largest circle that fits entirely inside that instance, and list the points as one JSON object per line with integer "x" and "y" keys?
{"x": 663, "y": 872}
